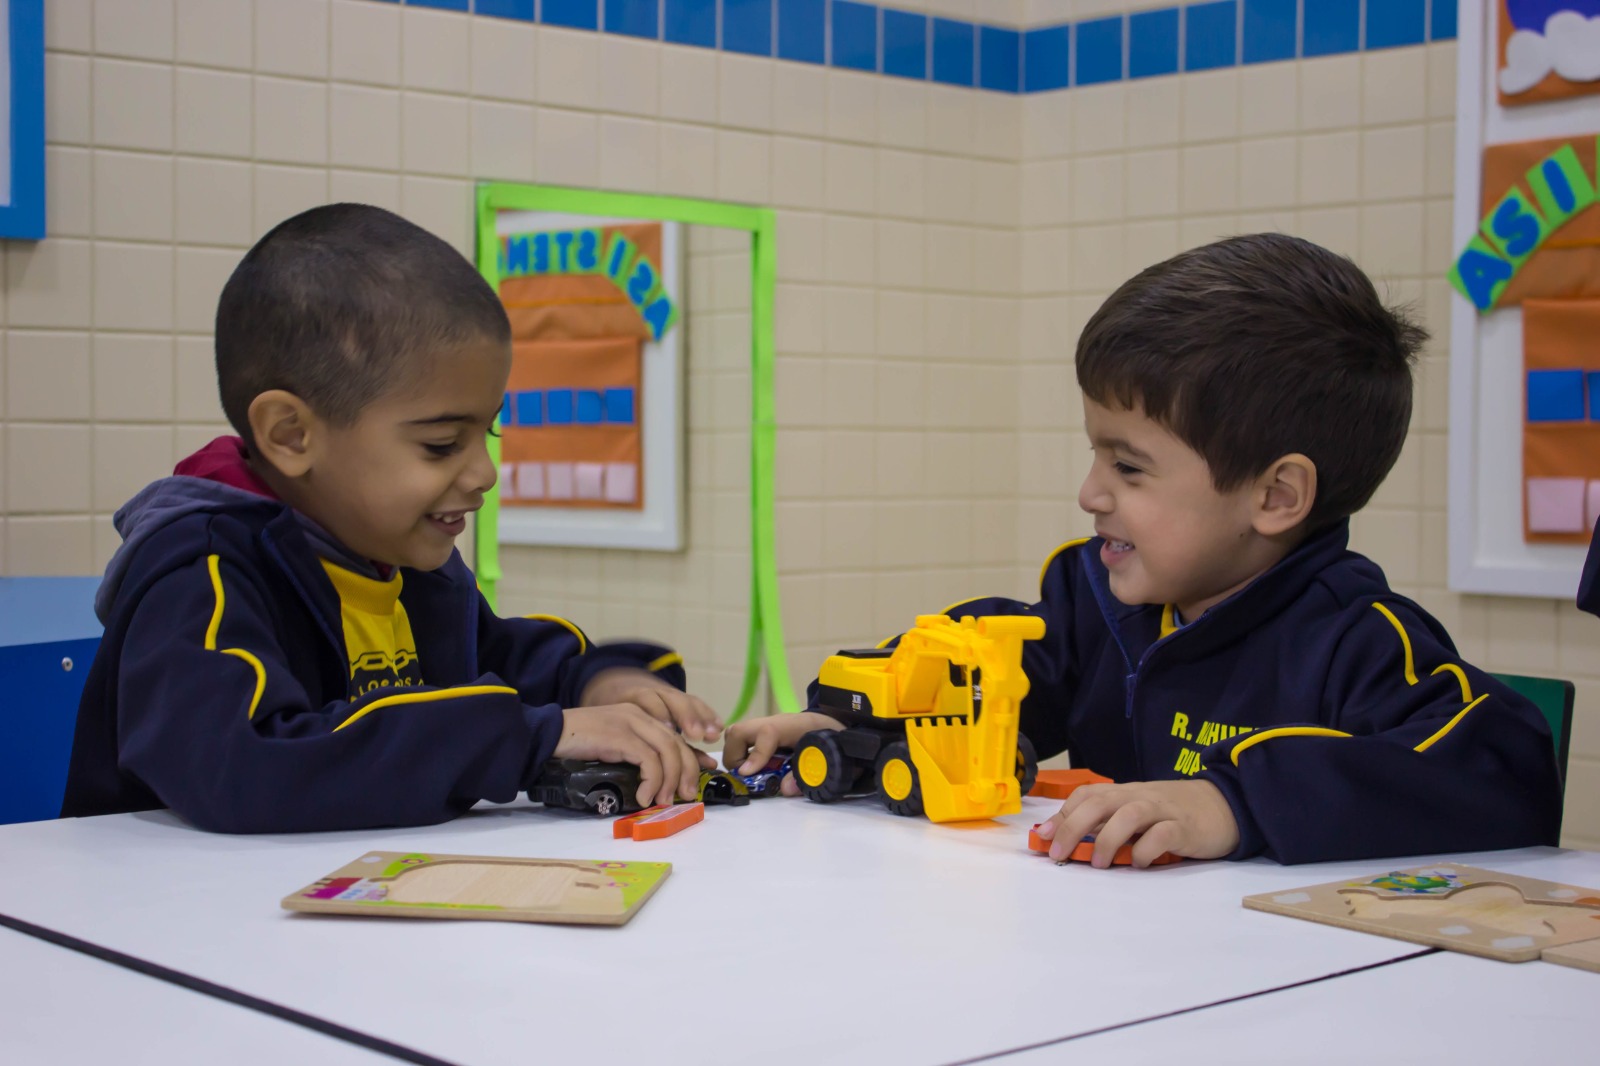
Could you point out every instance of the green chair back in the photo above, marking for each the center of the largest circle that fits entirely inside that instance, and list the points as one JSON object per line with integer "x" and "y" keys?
{"x": 1553, "y": 697}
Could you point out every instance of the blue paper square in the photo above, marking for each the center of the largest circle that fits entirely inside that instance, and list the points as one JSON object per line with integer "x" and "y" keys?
{"x": 855, "y": 35}
{"x": 1393, "y": 23}
{"x": 747, "y": 26}
{"x": 1331, "y": 27}
{"x": 953, "y": 50}
{"x": 1153, "y": 43}
{"x": 634, "y": 18}
{"x": 802, "y": 31}
{"x": 1593, "y": 378}
{"x": 575, "y": 14}
{"x": 1555, "y": 395}
{"x": 558, "y": 406}
{"x": 1099, "y": 47}
{"x": 1444, "y": 21}
{"x": 522, "y": 10}
{"x": 999, "y": 59}
{"x": 1211, "y": 35}
{"x": 690, "y": 22}
{"x": 1047, "y": 59}
{"x": 619, "y": 406}
{"x": 905, "y": 44}
{"x": 505, "y": 409}
{"x": 442, "y": 5}
{"x": 591, "y": 408}
{"x": 530, "y": 408}
{"x": 1270, "y": 30}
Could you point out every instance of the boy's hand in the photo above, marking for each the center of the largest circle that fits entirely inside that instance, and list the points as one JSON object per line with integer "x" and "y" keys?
{"x": 688, "y": 714}
{"x": 1188, "y": 818}
{"x": 624, "y": 733}
{"x": 751, "y": 744}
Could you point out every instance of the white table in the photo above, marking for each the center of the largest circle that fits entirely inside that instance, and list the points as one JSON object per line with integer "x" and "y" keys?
{"x": 61, "y": 1007}
{"x": 1441, "y": 1008}
{"x": 788, "y": 932}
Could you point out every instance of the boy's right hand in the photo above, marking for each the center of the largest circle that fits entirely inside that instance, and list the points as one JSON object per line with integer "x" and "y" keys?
{"x": 751, "y": 744}
{"x": 622, "y": 732}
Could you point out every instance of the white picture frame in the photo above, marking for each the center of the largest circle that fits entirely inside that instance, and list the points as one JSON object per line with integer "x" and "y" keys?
{"x": 1487, "y": 552}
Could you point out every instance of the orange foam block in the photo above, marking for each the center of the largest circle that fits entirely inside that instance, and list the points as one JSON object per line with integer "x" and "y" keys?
{"x": 1059, "y": 784}
{"x": 657, "y": 822}
{"x": 1084, "y": 852}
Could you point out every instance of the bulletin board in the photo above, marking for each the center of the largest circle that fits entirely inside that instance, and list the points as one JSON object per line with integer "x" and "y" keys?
{"x": 497, "y": 200}
{"x": 1524, "y": 386}
{"x": 22, "y": 119}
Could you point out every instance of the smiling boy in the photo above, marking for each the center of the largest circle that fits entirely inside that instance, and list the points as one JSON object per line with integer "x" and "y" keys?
{"x": 1255, "y": 687}
{"x": 292, "y": 641}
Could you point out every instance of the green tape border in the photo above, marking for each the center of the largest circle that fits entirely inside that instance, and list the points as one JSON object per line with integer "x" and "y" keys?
{"x": 766, "y": 619}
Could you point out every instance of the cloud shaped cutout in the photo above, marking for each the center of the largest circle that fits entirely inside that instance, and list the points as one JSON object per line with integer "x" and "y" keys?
{"x": 1576, "y": 43}
{"x": 1529, "y": 58}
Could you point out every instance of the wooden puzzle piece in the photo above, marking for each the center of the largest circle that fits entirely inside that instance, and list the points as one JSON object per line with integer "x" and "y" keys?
{"x": 1584, "y": 955}
{"x": 406, "y": 884}
{"x": 1459, "y": 908}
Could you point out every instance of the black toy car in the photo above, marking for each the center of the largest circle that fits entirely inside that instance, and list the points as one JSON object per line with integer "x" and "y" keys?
{"x": 602, "y": 787}
{"x": 719, "y": 786}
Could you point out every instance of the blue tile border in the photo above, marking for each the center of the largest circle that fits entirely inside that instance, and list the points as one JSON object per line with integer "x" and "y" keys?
{"x": 1153, "y": 43}
{"x": 876, "y": 39}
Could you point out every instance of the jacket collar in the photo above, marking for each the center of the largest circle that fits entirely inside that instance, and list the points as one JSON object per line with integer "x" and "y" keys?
{"x": 1137, "y": 627}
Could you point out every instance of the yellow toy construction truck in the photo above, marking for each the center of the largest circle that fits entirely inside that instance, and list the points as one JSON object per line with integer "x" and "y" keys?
{"x": 930, "y": 725}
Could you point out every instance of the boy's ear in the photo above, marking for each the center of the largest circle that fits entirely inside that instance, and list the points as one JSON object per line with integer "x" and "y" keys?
{"x": 286, "y": 431}
{"x": 1285, "y": 494}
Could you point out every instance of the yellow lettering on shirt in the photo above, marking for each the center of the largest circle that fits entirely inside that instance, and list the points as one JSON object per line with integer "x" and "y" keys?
{"x": 1180, "y": 725}
{"x": 377, "y": 632}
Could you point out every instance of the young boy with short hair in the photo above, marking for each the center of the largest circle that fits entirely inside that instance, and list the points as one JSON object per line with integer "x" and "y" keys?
{"x": 292, "y": 641}
{"x": 1254, "y": 687}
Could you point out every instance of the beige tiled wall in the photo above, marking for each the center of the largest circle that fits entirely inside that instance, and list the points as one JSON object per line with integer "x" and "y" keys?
{"x": 180, "y": 130}
{"x": 1354, "y": 152}
{"x": 939, "y": 249}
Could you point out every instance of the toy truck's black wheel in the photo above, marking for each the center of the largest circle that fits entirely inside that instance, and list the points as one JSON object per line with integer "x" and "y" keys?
{"x": 1027, "y": 763}
{"x": 821, "y": 768}
{"x": 898, "y": 784}
{"x": 604, "y": 800}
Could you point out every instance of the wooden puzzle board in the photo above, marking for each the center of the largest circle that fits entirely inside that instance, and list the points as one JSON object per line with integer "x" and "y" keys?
{"x": 397, "y": 884}
{"x": 1459, "y": 908}
{"x": 1584, "y": 955}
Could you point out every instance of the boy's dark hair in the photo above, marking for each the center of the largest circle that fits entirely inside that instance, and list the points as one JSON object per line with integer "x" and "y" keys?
{"x": 1256, "y": 347}
{"x": 335, "y": 304}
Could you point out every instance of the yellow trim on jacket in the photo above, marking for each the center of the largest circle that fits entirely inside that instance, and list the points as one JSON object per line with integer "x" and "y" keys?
{"x": 214, "y": 568}
{"x": 583, "y": 643}
{"x": 1052, "y": 556}
{"x": 672, "y": 658}
{"x": 1405, "y": 641}
{"x": 1451, "y": 724}
{"x": 1286, "y": 731}
{"x": 425, "y": 697}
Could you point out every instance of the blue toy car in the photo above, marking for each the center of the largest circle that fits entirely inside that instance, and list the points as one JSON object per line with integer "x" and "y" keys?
{"x": 767, "y": 780}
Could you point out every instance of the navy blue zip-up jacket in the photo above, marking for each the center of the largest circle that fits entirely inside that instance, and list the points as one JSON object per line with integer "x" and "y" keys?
{"x": 1334, "y": 714}
{"x": 222, "y": 686}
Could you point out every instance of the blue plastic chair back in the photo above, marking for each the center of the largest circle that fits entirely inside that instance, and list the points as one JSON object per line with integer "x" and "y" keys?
{"x": 48, "y": 637}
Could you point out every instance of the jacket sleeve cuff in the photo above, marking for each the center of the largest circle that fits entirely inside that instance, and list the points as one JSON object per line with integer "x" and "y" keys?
{"x": 544, "y": 724}
{"x": 1252, "y": 841}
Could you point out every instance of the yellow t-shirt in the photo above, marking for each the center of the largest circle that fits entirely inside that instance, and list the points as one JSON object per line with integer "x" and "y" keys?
{"x": 377, "y": 632}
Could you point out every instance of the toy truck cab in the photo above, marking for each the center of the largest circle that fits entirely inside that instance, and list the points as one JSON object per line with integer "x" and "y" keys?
{"x": 930, "y": 725}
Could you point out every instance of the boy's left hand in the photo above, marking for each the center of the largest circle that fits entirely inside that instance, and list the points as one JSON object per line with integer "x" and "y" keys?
{"x": 1188, "y": 818}
{"x": 688, "y": 714}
